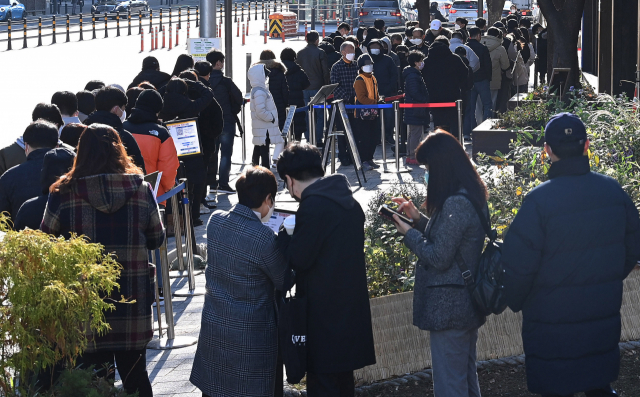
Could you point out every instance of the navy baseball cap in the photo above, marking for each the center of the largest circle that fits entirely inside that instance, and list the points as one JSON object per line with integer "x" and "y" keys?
{"x": 565, "y": 128}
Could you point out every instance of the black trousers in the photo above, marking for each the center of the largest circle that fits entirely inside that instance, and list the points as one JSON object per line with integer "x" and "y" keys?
{"x": 338, "y": 384}
{"x": 132, "y": 367}
{"x": 604, "y": 392}
{"x": 366, "y": 134}
{"x": 447, "y": 119}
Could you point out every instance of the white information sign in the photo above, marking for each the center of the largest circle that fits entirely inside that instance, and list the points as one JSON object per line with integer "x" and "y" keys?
{"x": 185, "y": 137}
{"x": 199, "y": 47}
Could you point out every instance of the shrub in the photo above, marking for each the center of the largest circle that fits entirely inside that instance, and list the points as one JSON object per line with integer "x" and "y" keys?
{"x": 390, "y": 264}
{"x": 51, "y": 295}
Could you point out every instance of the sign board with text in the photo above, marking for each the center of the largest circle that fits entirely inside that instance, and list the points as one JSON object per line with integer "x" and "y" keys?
{"x": 185, "y": 137}
{"x": 199, "y": 47}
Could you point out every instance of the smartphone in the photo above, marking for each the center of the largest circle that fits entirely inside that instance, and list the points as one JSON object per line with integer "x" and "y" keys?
{"x": 386, "y": 212}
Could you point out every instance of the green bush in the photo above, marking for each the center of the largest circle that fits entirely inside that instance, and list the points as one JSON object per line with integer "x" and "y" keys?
{"x": 51, "y": 296}
{"x": 390, "y": 264}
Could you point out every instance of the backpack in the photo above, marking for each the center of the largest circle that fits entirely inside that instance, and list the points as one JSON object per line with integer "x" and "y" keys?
{"x": 485, "y": 287}
{"x": 235, "y": 106}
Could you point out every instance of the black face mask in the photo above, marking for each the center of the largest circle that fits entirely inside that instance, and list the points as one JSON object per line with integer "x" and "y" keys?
{"x": 402, "y": 55}
{"x": 286, "y": 185}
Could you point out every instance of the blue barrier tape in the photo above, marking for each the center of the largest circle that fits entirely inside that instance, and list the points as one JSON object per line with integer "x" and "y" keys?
{"x": 171, "y": 193}
{"x": 386, "y": 106}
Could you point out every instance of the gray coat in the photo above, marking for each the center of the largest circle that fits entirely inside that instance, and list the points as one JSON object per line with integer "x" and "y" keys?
{"x": 314, "y": 63}
{"x": 238, "y": 344}
{"x": 440, "y": 299}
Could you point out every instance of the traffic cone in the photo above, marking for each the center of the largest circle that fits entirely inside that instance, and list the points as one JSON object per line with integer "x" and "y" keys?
{"x": 243, "y": 35}
{"x": 155, "y": 44}
{"x": 163, "y": 41}
{"x": 142, "y": 41}
{"x": 170, "y": 37}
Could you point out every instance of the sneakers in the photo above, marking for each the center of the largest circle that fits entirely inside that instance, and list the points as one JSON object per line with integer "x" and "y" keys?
{"x": 410, "y": 161}
{"x": 226, "y": 189}
{"x": 204, "y": 210}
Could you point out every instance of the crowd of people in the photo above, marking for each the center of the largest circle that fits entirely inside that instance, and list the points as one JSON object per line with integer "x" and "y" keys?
{"x": 79, "y": 167}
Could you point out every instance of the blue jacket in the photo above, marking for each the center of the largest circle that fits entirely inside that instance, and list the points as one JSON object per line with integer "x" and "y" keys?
{"x": 574, "y": 240}
{"x": 415, "y": 91}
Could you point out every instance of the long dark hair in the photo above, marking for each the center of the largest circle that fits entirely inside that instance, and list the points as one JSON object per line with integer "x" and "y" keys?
{"x": 449, "y": 170}
{"x": 100, "y": 151}
{"x": 184, "y": 62}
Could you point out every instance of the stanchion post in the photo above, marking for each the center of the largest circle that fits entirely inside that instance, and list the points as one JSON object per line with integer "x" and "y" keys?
{"x": 150, "y": 20}
{"x": 139, "y": 22}
{"x": 106, "y": 30}
{"x": 188, "y": 15}
{"x": 396, "y": 108}
{"x": 53, "y": 29}
{"x": 93, "y": 24}
{"x": 155, "y": 43}
{"x": 170, "y": 25}
{"x": 177, "y": 36}
{"x": 170, "y": 37}
{"x": 244, "y": 135}
{"x": 242, "y": 12}
{"x": 179, "y": 18}
{"x": 384, "y": 143}
{"x": 68, "y": 29}
{"x": 459, "y": 108}
{"x": 142, "y": 41}
{"x": 160, "y": 23}
{"x": 312, "y": 124}
{"x": 265, "y": 32}
{"x": 177, "y": 228}
{"x": 9, "y": 35}
{"x": 255, "y": 14}
{"x": 39, "y": 31}
{"x": 129, "y": 23}
{"x": 163, "y": 39}
{"x": 243, "y": 35}
{"x": 24, "y": 32}
{"x": 197, "y": 16}
{"x": 156, "y": 262}
{"x": 81, "y": 31}
{"x": 235, "y": 17}
{"x": 117, "y": 23}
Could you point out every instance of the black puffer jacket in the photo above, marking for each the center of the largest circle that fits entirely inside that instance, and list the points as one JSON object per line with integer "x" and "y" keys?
{"x": 444, "y": 74}
{"x": 157, "y": 78}
{"x": 278, "y": 88}
{"x": 386, "y": 73}
{"x": 223, "y": 90}
{"x": 129, "y": 142}
{"x": 574, "y": 240}
{"x": 177, "y": 106}
{"x": 210, "y": 122}
{"x": 486, "y": 70}
{"x": 22, "y": 182}
{"x": 415, "y": 91}
{"x": 297, "y": 81}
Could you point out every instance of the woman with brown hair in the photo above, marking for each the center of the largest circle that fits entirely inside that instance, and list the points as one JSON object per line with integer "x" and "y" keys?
{"x": 105, "y": 198}
{"x": 448, "y": 238}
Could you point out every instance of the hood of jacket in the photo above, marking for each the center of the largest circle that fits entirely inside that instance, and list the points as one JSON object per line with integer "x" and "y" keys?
{"x": 107, "y": 193}
{"x": 292, "y": 67}
{"x": 274, "y": 65}
{"x": 256, "y": 76}
{"x": 333, "y": 187}
{"x": 326, "y": 47}
{"x": 174, "y": 105}
{"x": 408, "y": 71}
{"x": 438, "y": 50}
{"x": 104, "y": 117}
{"x": 456, "y": 42}
{"x": 491, "y": 42}
{"x": 139, "y": 116}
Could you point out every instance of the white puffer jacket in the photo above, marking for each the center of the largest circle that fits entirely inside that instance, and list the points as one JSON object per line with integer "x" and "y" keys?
{"x": 264, "y": 115}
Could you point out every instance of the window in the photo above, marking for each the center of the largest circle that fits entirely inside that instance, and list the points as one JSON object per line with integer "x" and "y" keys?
{"x": 465, "y": 5}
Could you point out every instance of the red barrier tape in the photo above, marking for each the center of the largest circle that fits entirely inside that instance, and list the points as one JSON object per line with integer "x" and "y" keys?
{"x": 394, "y": 98}
{"x": 428, "y": 105}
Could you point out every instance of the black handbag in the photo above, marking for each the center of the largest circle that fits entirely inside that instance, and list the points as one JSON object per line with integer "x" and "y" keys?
{"x": 485, "y": 287}
{"x": 292, "y": 335}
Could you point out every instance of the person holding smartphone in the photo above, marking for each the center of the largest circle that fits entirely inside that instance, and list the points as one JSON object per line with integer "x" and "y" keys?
{"x": 450, "y": 232}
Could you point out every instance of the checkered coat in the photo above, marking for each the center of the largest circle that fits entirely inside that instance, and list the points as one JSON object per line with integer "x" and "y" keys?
{"x": 119, "y": 212}
{"x": 238, "y": 344}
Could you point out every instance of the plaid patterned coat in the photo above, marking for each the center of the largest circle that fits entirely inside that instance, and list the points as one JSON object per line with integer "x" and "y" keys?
{"x": 238, "y": 345}
{"x": 119, "y": 212}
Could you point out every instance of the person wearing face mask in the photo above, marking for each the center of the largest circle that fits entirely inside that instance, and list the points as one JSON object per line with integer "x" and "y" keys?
{"x": 415, "y": 91}
{"x": 110, "y": 110}
{"x": 387, "y": 83}
{"x": 461, "y": 26}
{"x": 386, "y": 49}
{"x": 245, "y": 270}
{"x": 435, "y": 30}
{"x": 514, "y": 11}
{"x": 458, "y": 41}
{"x": 344, "y": 73}
{"x": 447, "y": 238}
{"x": 326, "y": 251}
{"x": 366, "y": 129}
{"x": 417, "y": 42}
{"x": 343, "y": 31}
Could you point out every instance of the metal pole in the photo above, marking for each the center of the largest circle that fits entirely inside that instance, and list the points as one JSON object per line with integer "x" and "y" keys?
{"x": 248, "y": 83}
{"x": 156, "y": 261}
{"x": 192, "y": 291}
{"x": 244, "y": 135}
{"x": 313, "y": 16}
{"x": 9, "y": 35}
{"x": 459, "y": 108}
{"x": 384, "y": 146}
{"x": 177, "y": 229}
{"x": 208, "y": 18}
{"x": 228, "y": 43}
{"x": 312, "y": 127}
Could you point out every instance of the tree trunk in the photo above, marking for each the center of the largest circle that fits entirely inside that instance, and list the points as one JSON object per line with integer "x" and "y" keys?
{"x": 495, "y": 10}
{"x": 424, "y": 14}
{"x": 564, "y": 21}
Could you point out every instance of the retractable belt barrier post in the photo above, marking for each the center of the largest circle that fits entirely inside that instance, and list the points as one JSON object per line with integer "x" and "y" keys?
{"x": 192, "y": 291}
{"x": 244, "y": 134}
{"x": 177, "y": 229}
{"x": 170, "y": 341}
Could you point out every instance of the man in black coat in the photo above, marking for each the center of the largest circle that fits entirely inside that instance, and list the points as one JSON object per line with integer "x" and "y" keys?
{"x": 327, "y": 252}
{"x": 151, "y": 73}
{"x": 22, "y": 182}
{"x": 110, "y": 110}
{"x": 445, "y": 75}
{"x": 481, "y": 83}
{"x": 56, "y": 162}
{"x": 574, "y": 240}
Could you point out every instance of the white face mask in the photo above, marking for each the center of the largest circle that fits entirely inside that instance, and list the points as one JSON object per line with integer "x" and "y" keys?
{"x": 375, "y": 51}
{"x": 416, "y": 41}
{"x": 124, "y": 116}
{"x": 457, "y": 27}
{"x": 364, "y": 36}
{"x": 367, "y": 68}
{"x": 350, "y": 56}
{"x": 266, "y": 218}
{"x": 421, "y": 66}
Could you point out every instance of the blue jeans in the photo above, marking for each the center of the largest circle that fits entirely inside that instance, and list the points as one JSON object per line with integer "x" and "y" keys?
{"x": 308, "y": 94}
{"x": 482, "y": 88}
{"x": 224, "y": 143}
